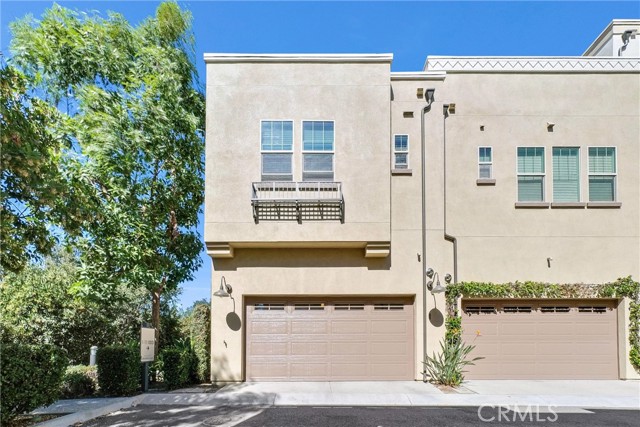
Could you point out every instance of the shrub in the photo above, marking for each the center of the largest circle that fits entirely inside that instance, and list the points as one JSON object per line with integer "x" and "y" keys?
{"x": 446, "y": 368}
{"x": 31, "y": 376}
{"x": 118, "y": 370}
{"x": 199, "y": 329}
{"x": 79, "y": 381}
{"x": 176, "y": 364}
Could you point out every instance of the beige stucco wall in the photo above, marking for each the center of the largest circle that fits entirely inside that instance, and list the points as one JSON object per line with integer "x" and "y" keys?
{"x": 496, "y": 241}
{"x": 499, "y": 242}
{"x": 240, "y": 95}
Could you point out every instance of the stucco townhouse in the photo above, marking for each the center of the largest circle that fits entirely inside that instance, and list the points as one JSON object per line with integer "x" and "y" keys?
{"x": 342, "y": 198}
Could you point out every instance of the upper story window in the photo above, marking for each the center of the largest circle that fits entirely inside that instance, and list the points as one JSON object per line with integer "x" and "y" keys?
{"x": 317, "y": 150}
{"x": 401, "y": 152}
{"x": 602, "y": 174}
{"x": 276, "y": 146}
{"x": 566, "y": 174}
{"x": 485, "y": 163}
{"x": 531, "y": 173}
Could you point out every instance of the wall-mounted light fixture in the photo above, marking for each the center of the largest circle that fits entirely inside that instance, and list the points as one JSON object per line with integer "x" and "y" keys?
{"x": 225, "y": 289}
{"x": 434, "y": 284}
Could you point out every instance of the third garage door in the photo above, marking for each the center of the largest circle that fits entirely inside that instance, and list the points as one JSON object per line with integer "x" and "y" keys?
{"x": 329, "y": 339}
{"x": 541, "y": 339}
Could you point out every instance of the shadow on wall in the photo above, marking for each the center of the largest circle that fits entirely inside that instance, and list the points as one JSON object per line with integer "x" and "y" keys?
{"x": 220, "y": 370}
{"x": 300, "y": 258}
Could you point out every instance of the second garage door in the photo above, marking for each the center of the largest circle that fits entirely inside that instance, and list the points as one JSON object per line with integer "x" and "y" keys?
{"x": 542, "y": 339}
{"x": 329, "y": 339}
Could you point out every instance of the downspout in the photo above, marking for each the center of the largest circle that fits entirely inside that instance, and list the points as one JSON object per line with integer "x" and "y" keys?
{"x": 447, "y": 237}
{"x": 425, "y": 110}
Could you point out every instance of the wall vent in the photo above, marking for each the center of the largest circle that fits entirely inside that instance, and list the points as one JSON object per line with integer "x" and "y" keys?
{"x": 407, "y": 114}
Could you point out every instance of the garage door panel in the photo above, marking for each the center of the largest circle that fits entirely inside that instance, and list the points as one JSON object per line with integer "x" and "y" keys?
{"x": 349, "y": 326}
{"x": 561, "y": 339}
{"x": 310, "y": 326}
{"x": 389, "y": 326}
{"x": 269, "y": 348}
{"x": 309, "y": 348}
{"x": 338, "y": 339}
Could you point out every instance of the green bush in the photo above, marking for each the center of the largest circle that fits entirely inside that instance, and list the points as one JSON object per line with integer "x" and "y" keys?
{"x": 30, "y": 376}
{"x": 447, "y": 368}
{"x": 197, "y": 326}
{"x": 118, "y": 370}
{"x": 176, "y": 367}
{"x": 79, "y": 381}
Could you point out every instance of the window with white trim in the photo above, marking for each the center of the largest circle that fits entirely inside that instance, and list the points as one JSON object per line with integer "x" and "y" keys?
{"x": 401, "y": 152}
{"x": 531, "y": 172}
{"x": 566, "y": 174}
{"x": 602, "y": 174}
{"x": 485, "y": 163}
{"x": 276, "y": 147}
{"x": 317, "y": 150}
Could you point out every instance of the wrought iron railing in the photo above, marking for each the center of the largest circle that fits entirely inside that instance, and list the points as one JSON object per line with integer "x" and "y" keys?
{"x": 297, "y": 201}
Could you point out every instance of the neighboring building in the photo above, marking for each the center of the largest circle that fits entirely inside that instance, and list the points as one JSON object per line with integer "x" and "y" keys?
{"x": 314, "y": 210}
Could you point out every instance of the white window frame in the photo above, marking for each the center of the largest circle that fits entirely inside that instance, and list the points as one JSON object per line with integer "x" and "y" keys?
{"x": 543, "y": 174}
{"x": 332, "y": 152}
{"x": 293, "y": 143}
{"x": 614, "y": 174}
{"x": 395, "y": 151}
{"x": 579, "y": 172}
{"x": 480, "y": 163}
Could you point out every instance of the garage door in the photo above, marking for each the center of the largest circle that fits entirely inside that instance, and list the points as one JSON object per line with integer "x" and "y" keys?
{"x": 329, "y": 339}
{"x": 542, "y": 339}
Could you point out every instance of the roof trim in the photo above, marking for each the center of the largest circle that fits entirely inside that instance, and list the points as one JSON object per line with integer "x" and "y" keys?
{"x": 211, "y": 58}
{"x": 608, "y": 31}
{"x": 418, "y": 75}
{"x": 531, "y": 64}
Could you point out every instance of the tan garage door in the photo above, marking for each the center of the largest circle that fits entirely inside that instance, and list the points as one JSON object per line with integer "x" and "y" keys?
{"x": 542, "y": 339}
{"x": 329, "y": 339}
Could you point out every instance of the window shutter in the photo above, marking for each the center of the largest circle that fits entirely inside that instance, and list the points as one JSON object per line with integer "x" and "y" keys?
{"x": 566, "y": 174}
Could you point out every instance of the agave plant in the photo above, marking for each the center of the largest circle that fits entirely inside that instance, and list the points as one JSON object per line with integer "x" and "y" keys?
{"x": 447, "y": 367}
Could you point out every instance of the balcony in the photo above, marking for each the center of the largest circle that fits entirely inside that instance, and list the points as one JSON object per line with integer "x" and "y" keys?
{"x": 297, "y": 201}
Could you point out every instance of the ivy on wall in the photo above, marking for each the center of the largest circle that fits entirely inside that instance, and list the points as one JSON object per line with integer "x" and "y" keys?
{"x": 623, "y": 287}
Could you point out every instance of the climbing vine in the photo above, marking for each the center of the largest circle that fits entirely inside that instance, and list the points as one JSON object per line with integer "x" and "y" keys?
{"x": 623, "y": 287}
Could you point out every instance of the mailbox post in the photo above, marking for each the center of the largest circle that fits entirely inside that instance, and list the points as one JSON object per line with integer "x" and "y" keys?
{"x": 147, "y": 351}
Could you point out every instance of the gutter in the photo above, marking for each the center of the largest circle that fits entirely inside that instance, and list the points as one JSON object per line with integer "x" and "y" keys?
{"x": 448, "y": 237}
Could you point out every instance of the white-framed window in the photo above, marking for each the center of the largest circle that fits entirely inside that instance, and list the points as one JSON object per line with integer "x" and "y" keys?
{"x": 276, "y": 148}
{"x": 401, "y": 151}
{"x": 318, "y": 139}
{"x": 485, "y": 163}
{"x": 602, "y": 174}
{"x": 531, "y": 172}
{"x": 566, "y": 174}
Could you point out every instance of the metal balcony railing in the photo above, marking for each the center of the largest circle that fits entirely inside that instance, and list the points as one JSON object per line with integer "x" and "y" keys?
{"x": 297, "y": 201}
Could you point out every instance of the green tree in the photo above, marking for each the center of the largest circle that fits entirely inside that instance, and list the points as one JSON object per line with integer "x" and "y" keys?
{"x": 38, "y": 307}
{"x": 30, "y": 182}
{"x": 135, "y": 116}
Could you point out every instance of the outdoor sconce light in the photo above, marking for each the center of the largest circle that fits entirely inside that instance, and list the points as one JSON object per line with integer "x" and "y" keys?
{"x": 435, "y": 278}
{"x": 225, "y": 290}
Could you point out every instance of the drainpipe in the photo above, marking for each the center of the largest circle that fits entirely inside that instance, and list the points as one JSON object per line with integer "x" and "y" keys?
{"x": 448, "y": 237}
{"x": 429, "y": 98}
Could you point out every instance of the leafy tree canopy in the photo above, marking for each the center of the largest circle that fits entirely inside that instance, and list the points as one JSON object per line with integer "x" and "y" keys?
{"x": 130, "y": 106}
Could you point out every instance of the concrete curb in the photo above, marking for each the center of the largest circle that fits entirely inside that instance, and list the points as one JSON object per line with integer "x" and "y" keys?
{"x": 82, "y": 416}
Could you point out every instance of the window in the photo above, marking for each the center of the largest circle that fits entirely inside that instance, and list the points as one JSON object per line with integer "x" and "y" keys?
{"x": 485, "y": 163}
{"x": 602, "y": 174}
{"x": 566, "y": 174}
{"x": 530, "y": 174}
{"x": 276, "y": 146}
{"x": 317, "y": 150}
{"x": 401, "y": 152}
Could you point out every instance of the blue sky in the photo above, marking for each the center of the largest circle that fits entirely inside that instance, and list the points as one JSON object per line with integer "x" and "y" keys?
{"x": 409, "y": 30}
